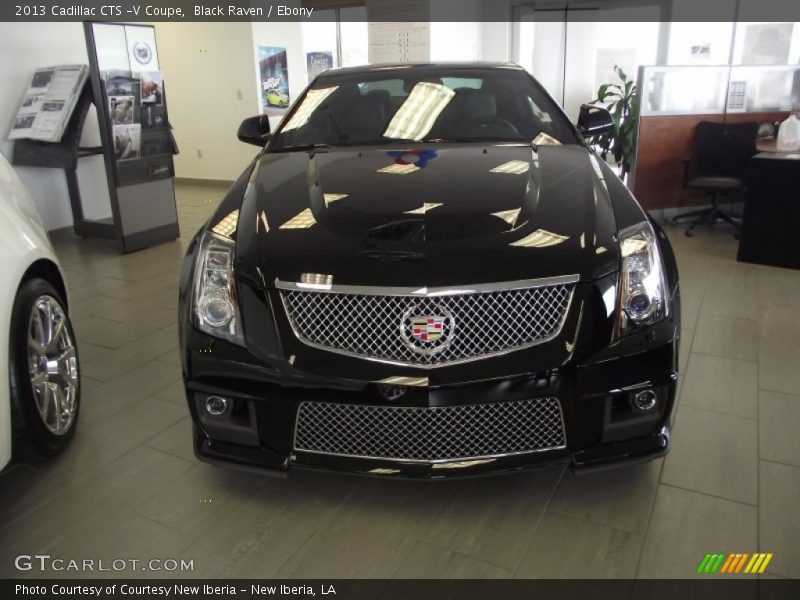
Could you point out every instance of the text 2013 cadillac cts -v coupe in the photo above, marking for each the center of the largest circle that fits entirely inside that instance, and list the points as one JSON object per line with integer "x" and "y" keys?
{"x": 427, "y": 272}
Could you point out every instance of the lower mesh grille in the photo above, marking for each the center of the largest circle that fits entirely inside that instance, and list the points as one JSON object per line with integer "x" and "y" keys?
{"x": 430, "y": 433}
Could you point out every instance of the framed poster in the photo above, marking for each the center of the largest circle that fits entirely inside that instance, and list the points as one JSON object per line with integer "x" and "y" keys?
{"x": 317, "y": 62}
{"x": 767, "y": 43}
{"x": 274, "y": 79}
{"x": 142, "y": 53}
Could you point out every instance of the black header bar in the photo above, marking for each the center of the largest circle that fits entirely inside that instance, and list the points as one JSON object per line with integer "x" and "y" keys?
{"x": 710, "y": 587}
{"x": 395, "y": 10}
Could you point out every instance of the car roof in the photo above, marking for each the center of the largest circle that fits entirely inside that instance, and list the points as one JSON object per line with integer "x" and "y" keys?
{"x": 421, "y": 67}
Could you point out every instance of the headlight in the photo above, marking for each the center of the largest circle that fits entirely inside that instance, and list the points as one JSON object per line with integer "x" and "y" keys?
{"x": 214, "y": 299}
{"x": 642, "y": 287}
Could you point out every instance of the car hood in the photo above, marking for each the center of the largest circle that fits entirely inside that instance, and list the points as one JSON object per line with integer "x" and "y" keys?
{"x": 435, "y": 215}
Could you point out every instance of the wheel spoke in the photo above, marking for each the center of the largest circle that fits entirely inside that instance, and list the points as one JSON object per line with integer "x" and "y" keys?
{"x": 64, "y": 356}
{"x": 34, "y": 346}
{"x": 58, "y": 406}
{"x": 57, "y": 331}
{"x": 39, "y": 385}
{"x": 43, "y": 402}
{"x": 66, "y": 366}
{"x": 48, "y": 339}
{"x": 70, "y": 400}
{"x": 38, "y": 330}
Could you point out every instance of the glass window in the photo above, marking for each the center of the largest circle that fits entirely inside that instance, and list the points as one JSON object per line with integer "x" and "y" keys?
{"x": 699, "y": 43}
{"x": 441, "y": 104}
{"x": 455, "y": 83}
{"x": 684, "y": 90}
{"x": 353, "y": 36}
{"x": 394, "y": 87}
{"x": 319, "y": 33}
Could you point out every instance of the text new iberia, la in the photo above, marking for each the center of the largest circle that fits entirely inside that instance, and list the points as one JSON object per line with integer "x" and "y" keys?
{"x": 277, "y": 590}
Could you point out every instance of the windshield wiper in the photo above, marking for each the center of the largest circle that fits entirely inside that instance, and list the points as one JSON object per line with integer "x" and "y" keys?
{"x": 440, "y": 141}
{"x": 304, "y": 148}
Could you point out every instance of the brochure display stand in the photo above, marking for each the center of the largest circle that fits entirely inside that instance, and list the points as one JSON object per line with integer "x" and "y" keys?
{"x": 64, "y": 154}
{"x": 127, "y": 88}
{"x": 49, "y": 103}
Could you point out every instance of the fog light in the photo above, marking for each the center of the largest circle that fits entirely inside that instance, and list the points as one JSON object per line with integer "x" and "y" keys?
{"x": 216, "y": 405}
{"x": 645, "y": 400}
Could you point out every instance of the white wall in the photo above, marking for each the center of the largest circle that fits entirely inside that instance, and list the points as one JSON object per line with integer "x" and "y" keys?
{"x": 496, "y": 30}
{"x": 451, "y": 41}
{"x": 23, "y": 48}
{"x": 456, "y": 41}
{"x": 482, "y": 34}
{"x": 210, "y": 86}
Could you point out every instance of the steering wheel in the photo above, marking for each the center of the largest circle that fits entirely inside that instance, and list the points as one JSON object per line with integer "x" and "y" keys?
{"x": 494, "y": 126}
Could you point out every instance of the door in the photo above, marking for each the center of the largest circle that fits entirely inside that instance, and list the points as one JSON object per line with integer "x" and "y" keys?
{"x": 572, "y": 47}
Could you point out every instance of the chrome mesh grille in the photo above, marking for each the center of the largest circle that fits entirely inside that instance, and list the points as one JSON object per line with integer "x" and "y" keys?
{"x": 430, "y": 433}
{"x": 472, "y": 325}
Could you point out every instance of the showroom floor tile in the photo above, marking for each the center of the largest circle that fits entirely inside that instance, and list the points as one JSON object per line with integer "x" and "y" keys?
{"x": 427, "y": 561}
{"x": 714, "y": 453}
{"x": 685, "y": 525}
{"x": 471, "y": 523}
{"x": 721, "y": 384}
{"x": 778, "y": 518}
{"x": 620, "y": 498}
{"x": 564, "y": 546}
{"x": 130, "y": 484}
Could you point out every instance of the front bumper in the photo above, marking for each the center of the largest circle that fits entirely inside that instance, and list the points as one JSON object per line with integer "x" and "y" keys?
{"x": 601, "y": 427}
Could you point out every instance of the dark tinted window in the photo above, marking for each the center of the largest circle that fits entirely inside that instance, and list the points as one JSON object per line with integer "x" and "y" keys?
{"x": 418, "y": 105}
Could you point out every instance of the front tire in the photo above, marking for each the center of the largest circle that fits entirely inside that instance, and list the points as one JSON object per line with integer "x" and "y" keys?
{"x": 44, "y": 367}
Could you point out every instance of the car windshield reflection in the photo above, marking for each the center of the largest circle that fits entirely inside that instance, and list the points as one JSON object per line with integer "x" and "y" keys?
{"x": 444, "y": 105}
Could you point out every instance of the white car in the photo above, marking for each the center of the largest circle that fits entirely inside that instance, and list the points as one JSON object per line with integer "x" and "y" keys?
{"x": 39, "y": 373}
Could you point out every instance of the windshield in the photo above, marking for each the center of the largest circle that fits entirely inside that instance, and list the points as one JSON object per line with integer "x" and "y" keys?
{"x": 396, "y": 105}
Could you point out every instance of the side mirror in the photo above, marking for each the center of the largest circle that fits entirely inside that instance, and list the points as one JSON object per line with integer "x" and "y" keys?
{"x": 594, "y": 120}
{"x": 254, "y": 130}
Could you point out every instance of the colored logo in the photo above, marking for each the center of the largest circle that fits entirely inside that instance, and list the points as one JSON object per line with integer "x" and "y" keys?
{"x": 142, "y": 52}
{"x": 734, "y": 563}
{"x": 427, "y": 334}
{"x": 418, "y": 158}
{"x": 427, "y": 329}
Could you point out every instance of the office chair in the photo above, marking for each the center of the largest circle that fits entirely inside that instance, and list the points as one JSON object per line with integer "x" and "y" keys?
{"x": 722, "y": 152}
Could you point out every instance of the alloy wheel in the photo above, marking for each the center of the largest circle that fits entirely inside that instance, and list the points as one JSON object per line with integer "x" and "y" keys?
{"x": 52, "y": 365}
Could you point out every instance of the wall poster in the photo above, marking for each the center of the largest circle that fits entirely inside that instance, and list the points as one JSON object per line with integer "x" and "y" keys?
{"x": 317, "y": 62}
{"x": 399, "y": 32}
{"x": 767, "y": 43}
{"x": 274, "y": 79}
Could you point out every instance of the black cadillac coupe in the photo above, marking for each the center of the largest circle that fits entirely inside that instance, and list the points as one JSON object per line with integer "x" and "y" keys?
{"x": 426, "y": 271}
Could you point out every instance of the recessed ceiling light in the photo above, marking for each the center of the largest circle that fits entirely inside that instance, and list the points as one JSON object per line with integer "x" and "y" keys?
{"x": 395, "y": 169}
{"x": 423, "y": 209}
{"x": 303, "y": 220}
{"x": 512, "y": 167}
{"x": 540, "y": 238}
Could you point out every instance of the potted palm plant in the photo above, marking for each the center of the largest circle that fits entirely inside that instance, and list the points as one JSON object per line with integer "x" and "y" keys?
{"x": 622, "y": 101}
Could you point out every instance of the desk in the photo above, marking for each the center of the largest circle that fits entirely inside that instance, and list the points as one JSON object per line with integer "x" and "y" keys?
{"x": 770, "y": 234}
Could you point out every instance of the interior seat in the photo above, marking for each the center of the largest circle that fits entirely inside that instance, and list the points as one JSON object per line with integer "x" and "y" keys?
{"x": 365, "y": 118}
{"x": 473, "y": 114}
